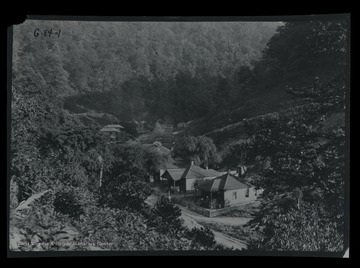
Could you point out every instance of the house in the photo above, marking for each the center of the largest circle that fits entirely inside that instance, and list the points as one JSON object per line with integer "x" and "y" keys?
{"x": 193, "y": 174}
{"x": 113, "y": 130}
{"x": 140, "y": 126}
{"x": 187, "y": 178}
{"x": 117, "y": 126}
{"x": 173, "y": 176}
{"x": 181, "y": 125}
{"x": 157, "y": 146}
{"x": 170, "y": 165}
{"x": 226, "y": 190}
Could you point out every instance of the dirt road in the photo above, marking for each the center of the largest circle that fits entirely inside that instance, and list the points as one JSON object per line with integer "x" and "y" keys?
{"x": 193, "y": 219}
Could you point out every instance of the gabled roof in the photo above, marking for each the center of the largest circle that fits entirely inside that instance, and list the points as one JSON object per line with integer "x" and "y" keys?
{"x": 174, "y": 174}
{"x": 115, "y": 126}
{"x": 159, "y": 148}
{"x": 222, "y": 183}
{"x": 109, "y": 129}
{"x": 195, "y": 172}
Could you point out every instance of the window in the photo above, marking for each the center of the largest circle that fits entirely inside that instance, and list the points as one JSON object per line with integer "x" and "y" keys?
{"x": 234, "y": 195}
{"x": 247, "y": 192}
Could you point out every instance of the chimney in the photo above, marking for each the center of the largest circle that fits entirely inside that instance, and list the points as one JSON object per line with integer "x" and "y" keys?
{"x": 206, "y": 167}
{"x": 242, "y": 171}
{"x": 192, "y": 162}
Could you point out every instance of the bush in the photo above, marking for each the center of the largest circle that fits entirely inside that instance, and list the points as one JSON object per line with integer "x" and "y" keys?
{"x": 165, "y": 216}
{"x": 202, "y": 236}
{"x": 39, "y": 227}
{"x": 299, "y": 230}
{"x": 66, "y": 203}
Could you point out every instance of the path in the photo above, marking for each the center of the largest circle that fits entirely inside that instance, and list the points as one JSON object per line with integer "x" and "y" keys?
{"x": 193, "y": 219}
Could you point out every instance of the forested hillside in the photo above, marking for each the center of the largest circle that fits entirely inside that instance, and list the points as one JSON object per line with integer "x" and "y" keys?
{"x": 142, "y": 70}
{"x": 299, "y": 151}
{"x": 294, "y": 56}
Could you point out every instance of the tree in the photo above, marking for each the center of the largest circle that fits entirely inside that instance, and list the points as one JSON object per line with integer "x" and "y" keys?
{"x": 302, "y": 49}
{"x": 166, "y": 216}
{"x": 126, "y": 171}
{"x": 200, "y": 149}
{"x": 202, "y": 236}
{"x": 306, "y": 175}
{"x": 304, "y": 185}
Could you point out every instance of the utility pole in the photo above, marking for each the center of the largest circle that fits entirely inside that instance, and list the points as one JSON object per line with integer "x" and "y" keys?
{"x": 101, "y": 174}
{"x": 100, "y": 159}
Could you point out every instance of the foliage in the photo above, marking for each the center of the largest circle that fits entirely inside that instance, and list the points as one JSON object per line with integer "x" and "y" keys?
{"x": 313, "y": 48}
{"x": 298, "y": 52}
{"x": 40, "y": 227}
{"x": 307, "y": 164}
{"x": 200, "y": 149}
{"x": 166, "y": 216}
{"x": 130, "y": 128}
{"x": 299, "y": 230}
{"x": 202, "y": 236}
{"x": 124, "y": 191}
{"x": 130, "y": 68}
{"x": 303, "y": 199}
{"x": 126, "y": 172}
{"x": 65, "y": 202}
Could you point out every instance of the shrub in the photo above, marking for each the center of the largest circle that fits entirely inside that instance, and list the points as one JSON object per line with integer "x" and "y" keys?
{"x": 39, "y": 227}
{"x": 66, "y": 203}
{"x": 202, "y": 236}
{"x": 165, "y": 216}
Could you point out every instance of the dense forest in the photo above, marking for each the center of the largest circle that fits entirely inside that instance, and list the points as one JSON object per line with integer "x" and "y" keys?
{"x": 302, "y": 147}
{"x": 214, "y": 73}
{"x": 143, "y": 70}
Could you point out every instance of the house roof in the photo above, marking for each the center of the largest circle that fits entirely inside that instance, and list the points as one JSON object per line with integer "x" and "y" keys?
{"x": 174, "y": 174}
{"x": 115, "y": 126}
{"x": 195, "y": 172}
{"x": 222, "y": 183}
{"x": 155, "y": 147}
{"x": 109, "y": 129}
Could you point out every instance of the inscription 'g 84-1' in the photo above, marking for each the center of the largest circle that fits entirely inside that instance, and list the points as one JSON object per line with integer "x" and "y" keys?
{"x": 47, "y": 32}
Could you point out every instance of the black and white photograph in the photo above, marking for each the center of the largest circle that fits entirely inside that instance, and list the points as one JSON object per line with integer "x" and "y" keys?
{"x": 179, "y": 135}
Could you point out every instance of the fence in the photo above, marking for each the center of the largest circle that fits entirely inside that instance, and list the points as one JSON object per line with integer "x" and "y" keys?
{"x": 190, "y": 205}
{"x": 203, "y": 211}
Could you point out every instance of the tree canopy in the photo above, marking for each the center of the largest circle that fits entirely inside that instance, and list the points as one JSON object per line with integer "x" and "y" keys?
{"x": 304, "y": 185}
{"x": 200, "y": 149}
{"x": 140, "y": 69}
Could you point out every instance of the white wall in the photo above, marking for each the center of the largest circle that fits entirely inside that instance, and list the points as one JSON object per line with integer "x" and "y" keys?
{"x": 190, "y": 184}
{"x": 240, "y": 196}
